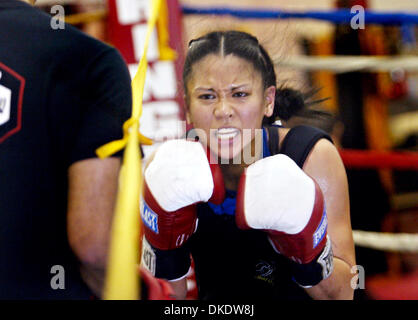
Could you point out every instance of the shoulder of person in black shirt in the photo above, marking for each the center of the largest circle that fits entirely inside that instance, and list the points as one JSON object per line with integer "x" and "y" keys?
{"x": 58, "y": 201}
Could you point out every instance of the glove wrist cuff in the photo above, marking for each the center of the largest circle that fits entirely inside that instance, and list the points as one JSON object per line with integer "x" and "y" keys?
{"x": 310, "y": 274}
{"x": 171, "y": 264}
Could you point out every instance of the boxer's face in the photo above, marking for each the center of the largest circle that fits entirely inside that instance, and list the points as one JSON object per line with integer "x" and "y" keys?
{"x": 226, "y": 99}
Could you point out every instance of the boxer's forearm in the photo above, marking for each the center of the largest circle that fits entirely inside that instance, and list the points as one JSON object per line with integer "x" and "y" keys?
{"x": 337, "y": 286}
{"x": 93, "y": 185}
{"x": 94, "y": 278}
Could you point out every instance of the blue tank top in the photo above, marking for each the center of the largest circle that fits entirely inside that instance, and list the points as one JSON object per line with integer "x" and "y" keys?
{"x": 228, "y": 206}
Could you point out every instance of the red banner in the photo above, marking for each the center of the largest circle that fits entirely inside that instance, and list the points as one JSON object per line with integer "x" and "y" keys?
{"x": 162, "y": 101}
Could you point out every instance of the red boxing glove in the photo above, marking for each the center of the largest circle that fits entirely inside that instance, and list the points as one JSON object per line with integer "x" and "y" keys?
{"x": 306, "y": 245}
{"x": 276, "y": 196}
{"x": 176, "y": 180}
{"x": 153, "y": 288}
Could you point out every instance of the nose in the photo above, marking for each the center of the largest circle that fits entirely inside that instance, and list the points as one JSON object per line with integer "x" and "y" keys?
{"x": 223, "y": 109}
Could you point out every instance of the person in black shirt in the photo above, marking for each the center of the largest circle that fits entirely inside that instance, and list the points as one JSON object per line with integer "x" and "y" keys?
{"x": 63, "y": 94}
{"x": 232, "y": 102}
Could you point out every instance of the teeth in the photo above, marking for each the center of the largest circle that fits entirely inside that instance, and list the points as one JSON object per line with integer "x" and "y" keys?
{"x": 227, "y": 133}
{"x": 227, "y": 130}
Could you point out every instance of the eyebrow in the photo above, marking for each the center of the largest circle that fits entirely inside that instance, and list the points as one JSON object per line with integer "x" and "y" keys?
{"x": 232, "y": 87}
{"x": 203, "y": 89}
{"x": 240, "y": 86}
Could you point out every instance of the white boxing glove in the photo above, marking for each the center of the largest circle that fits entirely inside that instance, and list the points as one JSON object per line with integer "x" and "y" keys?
{"x": 276, "y": 196}
{"x": 179, "y": 175}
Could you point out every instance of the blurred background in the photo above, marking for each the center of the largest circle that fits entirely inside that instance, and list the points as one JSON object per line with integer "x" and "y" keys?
{"x": 374, "y": 105}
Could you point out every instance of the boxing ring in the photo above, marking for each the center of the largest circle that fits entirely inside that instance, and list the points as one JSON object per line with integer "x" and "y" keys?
{"x": 377, "y": 157}
{"x": 382, "y": 159}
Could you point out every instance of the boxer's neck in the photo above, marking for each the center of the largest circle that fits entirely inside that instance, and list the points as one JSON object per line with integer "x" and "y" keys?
{"x": 232, "y": 171}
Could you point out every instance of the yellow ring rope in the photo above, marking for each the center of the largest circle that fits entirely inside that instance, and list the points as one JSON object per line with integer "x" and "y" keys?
{"x": 122, "y": 277}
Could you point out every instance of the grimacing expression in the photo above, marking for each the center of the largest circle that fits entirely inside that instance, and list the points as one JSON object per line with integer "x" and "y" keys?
{"x": 225, "y": 95}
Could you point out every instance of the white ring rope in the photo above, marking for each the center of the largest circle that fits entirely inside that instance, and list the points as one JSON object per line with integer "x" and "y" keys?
{"x": 397, "y": 242}
{"x": 342, "y": 64}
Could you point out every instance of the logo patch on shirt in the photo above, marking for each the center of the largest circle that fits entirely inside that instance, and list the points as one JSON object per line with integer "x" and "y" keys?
{"x": 5, "y": 102}
{"x": 265, "y": 271}
{"x": 321, "y": 230}
{"x": 149, "y": 217}
{"x": 11, "y": 97}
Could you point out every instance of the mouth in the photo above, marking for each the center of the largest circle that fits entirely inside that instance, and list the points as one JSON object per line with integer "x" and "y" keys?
{"x": 226, "y": 133}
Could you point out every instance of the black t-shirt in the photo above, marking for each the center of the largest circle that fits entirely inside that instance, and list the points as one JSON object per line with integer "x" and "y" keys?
{"x": 62, "y": 95}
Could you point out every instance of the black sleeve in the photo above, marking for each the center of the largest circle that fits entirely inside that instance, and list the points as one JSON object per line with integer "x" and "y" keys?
{"x": 106, "y": 102}
{"x": 300, "y": 140}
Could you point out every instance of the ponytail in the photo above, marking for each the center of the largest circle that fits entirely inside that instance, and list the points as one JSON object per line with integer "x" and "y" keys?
{"x": 290, "y": 102}
{"x": 287, "y": 103}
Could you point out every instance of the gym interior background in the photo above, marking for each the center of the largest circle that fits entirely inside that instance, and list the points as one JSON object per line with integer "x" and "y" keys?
{"x": 375, "y": 105}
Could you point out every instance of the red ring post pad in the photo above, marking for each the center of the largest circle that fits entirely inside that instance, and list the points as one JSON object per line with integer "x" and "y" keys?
{"x": 153, "y": 288}
{"x": 302, "y": 247}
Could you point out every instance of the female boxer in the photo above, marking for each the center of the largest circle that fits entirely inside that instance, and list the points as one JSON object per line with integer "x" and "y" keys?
{"x": 263, "y": 210}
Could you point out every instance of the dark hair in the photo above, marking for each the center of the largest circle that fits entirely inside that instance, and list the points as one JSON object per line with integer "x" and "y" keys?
{"x": 243, "y": 45}
{"x": 303, "y": 109}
